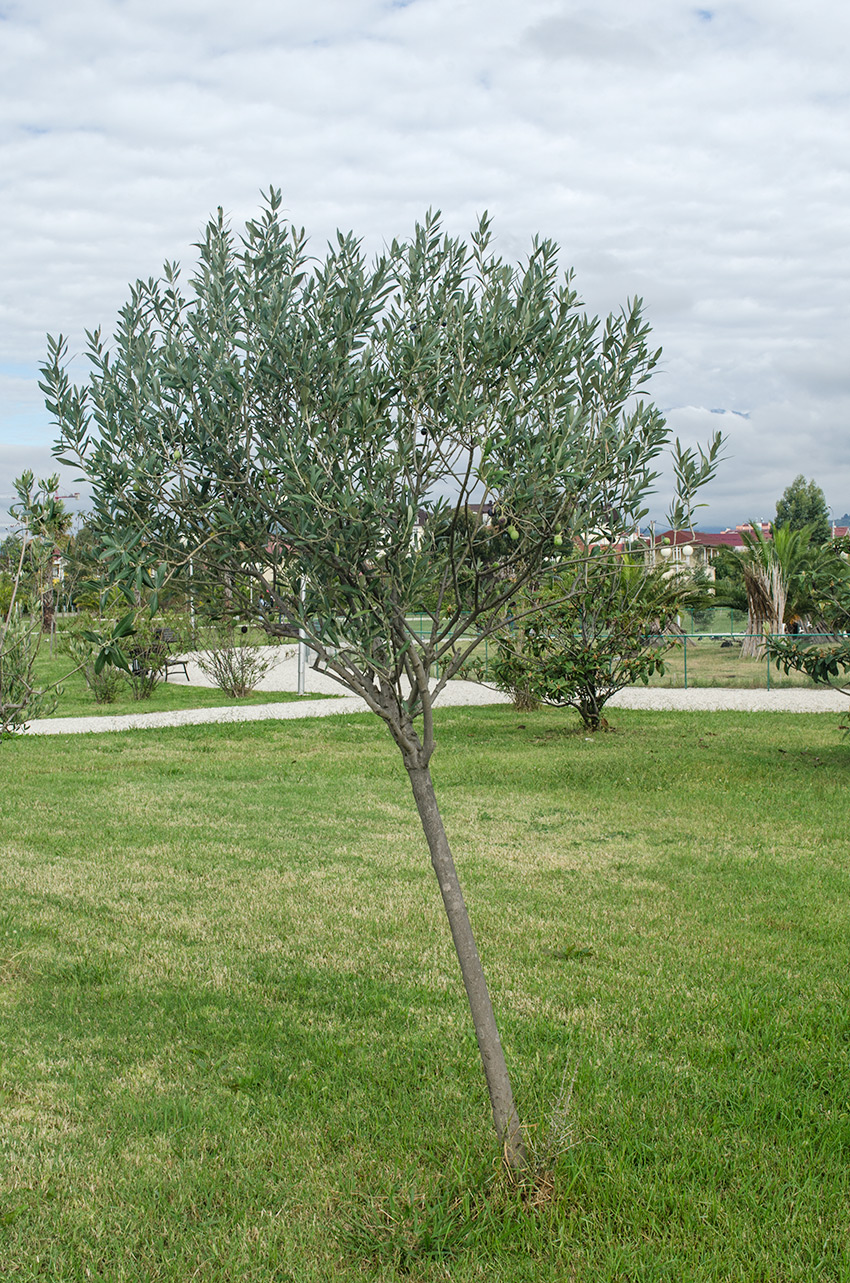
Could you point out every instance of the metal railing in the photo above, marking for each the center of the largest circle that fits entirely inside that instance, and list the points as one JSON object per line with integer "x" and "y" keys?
{"x": 710, "y": 659}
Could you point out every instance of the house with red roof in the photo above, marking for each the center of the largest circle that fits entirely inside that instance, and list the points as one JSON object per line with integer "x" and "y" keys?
{"x": 687, "y": 550}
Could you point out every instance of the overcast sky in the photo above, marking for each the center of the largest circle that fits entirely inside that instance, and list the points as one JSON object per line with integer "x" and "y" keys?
{"x": 695, "y": 156}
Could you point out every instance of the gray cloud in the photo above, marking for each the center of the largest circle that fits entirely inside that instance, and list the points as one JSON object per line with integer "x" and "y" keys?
{"x": 764, "y": 453}
{"x": 693, "y": 155}
{"x": 17, "y": 459}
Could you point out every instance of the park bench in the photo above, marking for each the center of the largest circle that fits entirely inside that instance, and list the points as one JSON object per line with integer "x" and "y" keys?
{"x": 141, "y": 656}
{"x": 169, "y": 638}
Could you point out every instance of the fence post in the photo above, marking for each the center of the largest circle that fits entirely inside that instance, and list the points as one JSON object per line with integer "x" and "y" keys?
{"x": 767, "y": 653}
{"x": 685, "y": 639}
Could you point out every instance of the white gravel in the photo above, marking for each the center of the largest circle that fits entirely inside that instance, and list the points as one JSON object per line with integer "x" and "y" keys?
{"x": 715, "y": 699}
{"x": 284, "y": 677}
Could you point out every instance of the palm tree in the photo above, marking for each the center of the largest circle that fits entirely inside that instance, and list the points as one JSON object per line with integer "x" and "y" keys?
{"x": 774, "y": 581}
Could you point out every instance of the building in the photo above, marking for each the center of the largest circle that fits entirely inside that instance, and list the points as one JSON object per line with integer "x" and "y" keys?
{"x": 689, "y": 550}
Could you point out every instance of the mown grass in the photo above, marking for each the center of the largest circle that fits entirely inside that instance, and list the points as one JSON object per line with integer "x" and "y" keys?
{"x": 234, "y": 1045}
{"x": 75, "y": 699}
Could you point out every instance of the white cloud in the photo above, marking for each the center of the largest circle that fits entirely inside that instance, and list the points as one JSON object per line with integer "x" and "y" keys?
{"x": 695, "y": 155}
{"x": 764, "y": 452}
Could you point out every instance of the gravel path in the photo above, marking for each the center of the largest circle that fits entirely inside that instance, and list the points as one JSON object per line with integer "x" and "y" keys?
{"x": 715, "y": 699}
{"x": 284, "y": 677}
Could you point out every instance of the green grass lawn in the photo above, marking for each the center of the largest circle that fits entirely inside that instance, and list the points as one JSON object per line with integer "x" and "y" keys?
{"x": 76, "y": 700}
{"x": 234, "y": 1044}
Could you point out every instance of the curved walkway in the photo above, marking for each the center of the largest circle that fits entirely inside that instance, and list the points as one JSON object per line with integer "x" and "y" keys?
{"x": 284, "y": 677}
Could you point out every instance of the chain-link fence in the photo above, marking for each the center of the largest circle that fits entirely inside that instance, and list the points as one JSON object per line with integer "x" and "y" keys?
{"x": 714, "y": 621}
{"x": 710, "y": 659}
{"x": 699, "y": 657}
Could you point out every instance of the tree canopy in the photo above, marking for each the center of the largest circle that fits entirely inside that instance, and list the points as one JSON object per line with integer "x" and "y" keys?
{"x": 824, "y": 656}
{"x": 314, "y": 432}
{"x": 803, "y": 504}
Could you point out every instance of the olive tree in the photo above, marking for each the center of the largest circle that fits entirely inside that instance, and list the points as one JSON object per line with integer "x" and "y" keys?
{"x": 312, "y": 433}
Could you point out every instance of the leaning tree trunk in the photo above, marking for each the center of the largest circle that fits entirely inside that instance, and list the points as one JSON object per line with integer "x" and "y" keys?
{"x": 384, "y": 698}
{"x": 505, "y": 1116}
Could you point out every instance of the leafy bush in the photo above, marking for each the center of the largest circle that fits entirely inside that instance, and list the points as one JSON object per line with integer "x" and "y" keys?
{"x": 598, "y": 626}
{"x": 232, "y": 661}
{"x": 20, "y": 700}
{"x": 104, "y": 684}
{"x": 27, "y": 598}
{"x": 7, "y": 587}
{"x": 153, "y": 643}
{"x": 150, "y": 644}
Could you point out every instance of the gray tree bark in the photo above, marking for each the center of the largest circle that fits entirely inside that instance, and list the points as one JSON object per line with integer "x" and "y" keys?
{"x": 385, "y": 699}
{"x": 505, "y": 1117}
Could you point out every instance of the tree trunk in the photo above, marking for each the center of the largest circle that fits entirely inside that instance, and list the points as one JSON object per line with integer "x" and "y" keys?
{"x": 48, "y": 609}
{"x": 766, "y": 595}
{"x": 753, "y": 645}
{"x": 505, "y": 1116}
{"x": 524, "y": 701}
{"x": 589, "y": 708}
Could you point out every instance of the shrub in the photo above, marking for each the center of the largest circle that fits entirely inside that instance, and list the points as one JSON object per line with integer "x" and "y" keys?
{"x": 597, "y": 627}
{"x": 232, "y": 661}
{"x": 105, "y": 684}
{"x": 153, "y": 643}
{"x": 20, "y": 700}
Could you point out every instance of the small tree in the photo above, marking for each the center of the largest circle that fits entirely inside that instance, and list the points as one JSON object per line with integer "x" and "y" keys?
{"x": 776, "y": 574}
{"x": 598, "y": 626}
{"x": 803, "y": 506}
{"x": 29, "y": 560}
{"x": 231, "y": 660}
{"x": 283, "y": 426}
